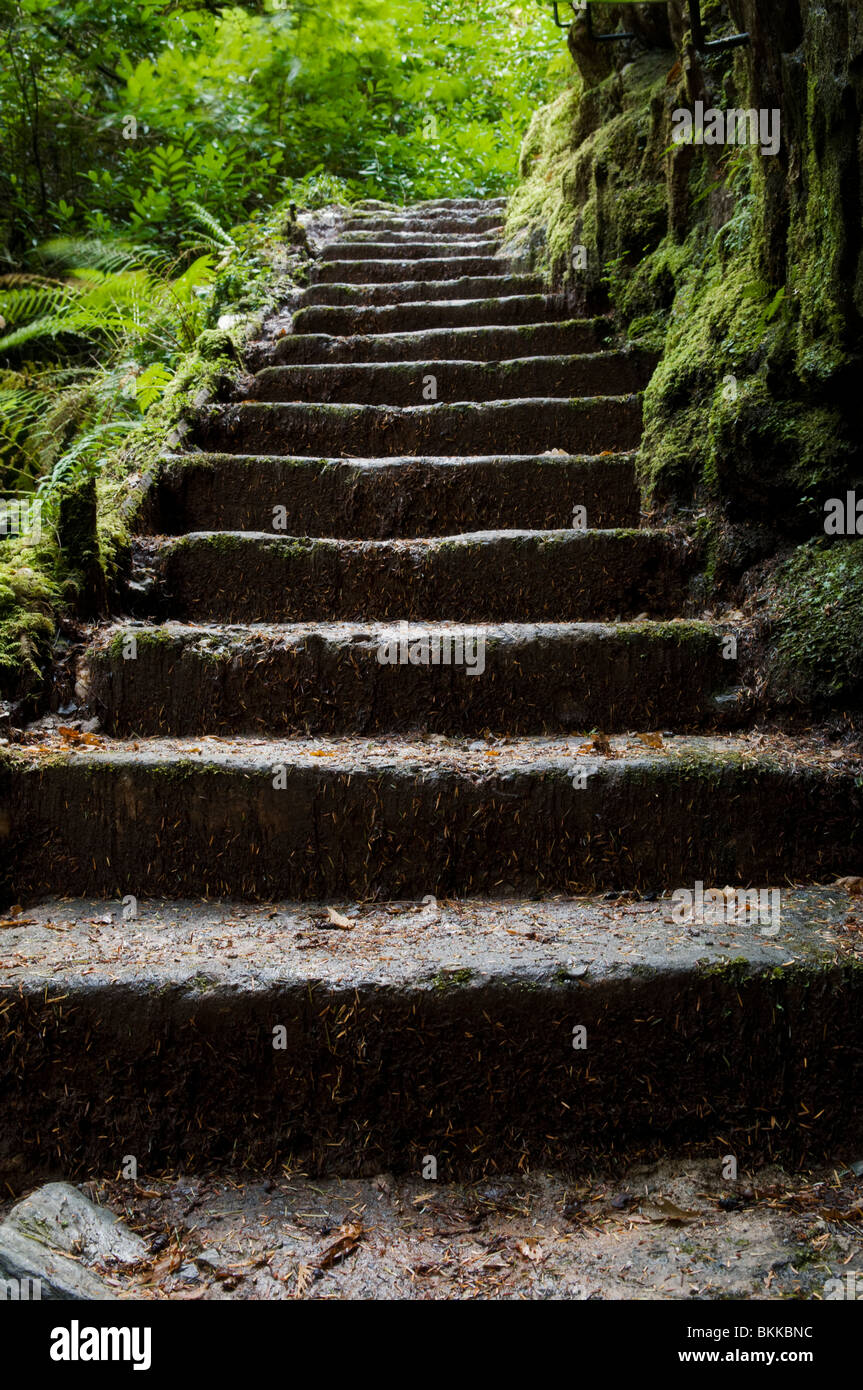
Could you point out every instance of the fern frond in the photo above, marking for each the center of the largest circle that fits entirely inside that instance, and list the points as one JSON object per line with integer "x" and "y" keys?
{"x": 207, "y": 220}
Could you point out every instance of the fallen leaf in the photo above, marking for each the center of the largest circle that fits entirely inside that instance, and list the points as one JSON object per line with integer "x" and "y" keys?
{"x": 530, "y": 1249}
{"x": 651, "y": 740}
{"x": 663, "y": 1210}
{"x": 337, "y": 920}
{"x": 350, "y": 1236}
{"x": 852, "y": 884}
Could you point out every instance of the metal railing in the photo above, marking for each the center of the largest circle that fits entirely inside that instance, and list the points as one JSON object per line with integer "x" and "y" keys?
{"x": 696, "y": 24}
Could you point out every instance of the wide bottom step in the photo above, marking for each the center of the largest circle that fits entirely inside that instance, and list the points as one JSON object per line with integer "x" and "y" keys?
{"x": 487, "y": 1036}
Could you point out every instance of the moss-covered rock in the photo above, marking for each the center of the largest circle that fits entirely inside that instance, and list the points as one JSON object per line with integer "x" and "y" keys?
{"x": 27, "y": 600}
{"x": 745, "y": 269}
{"x": 815, "y": 605}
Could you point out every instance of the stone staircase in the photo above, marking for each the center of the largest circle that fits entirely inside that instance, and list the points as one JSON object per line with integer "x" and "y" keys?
{"x": 416, "y": 451}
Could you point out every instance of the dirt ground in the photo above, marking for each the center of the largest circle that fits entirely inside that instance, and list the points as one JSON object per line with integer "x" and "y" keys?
{"x": 675, "y": 1230}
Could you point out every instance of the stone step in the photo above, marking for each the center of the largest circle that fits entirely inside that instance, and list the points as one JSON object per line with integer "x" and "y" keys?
{"x": 409, "y": 383}
{"x": 439, "y": 249}
{"x": 380, "y": 498}
{"x": 527, "y": 309}
{"x": 527, "y": 426}
{"x": 476, "y": 225}
{"x": 483, "y": 344}
{"x": 443, "y": 1030}
{"x": 336, "y": 678}
{"x": 486, "y": 576}
{"x": 386, "y": 270}
{"x": 446, "y": 205}
{"x": 411, "y": 291}
{"x": 359, "y": 818}
{"x": 430, "y": 241}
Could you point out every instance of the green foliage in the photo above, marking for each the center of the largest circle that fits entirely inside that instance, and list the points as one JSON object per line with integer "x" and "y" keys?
{"x": 815, "y": 603}
{"x": 149, "y": 148}
{"x": 117, "y": 117}
{"x": 27, "y": 597}
{"x": 150, "y": 153}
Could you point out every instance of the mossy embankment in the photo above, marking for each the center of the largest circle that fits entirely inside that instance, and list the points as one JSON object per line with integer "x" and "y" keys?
{"x": 743, "y": 269}
{"x": 86, "y": 524}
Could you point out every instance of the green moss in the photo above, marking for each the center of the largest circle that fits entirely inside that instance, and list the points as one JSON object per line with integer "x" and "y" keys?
{"x": 588, "y": 165}
{"x": 739, "y": 271}
{"x": 152, "y": 637}
{"x": 733, "y": 972}
{"x": 815, "y": 604}
{"x": 684, "y": 633}
{"x": 447, "y": 979}
{"x": 28, "y": 596}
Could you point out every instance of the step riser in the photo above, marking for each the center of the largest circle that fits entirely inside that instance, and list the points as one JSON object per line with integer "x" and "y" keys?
{"x": 352, "y": 833}
{"x": 425, "y": 244}
{"x": 443, "y": 207}
{"x": 478, "y": 205}
{"x": 476, "y": 344}
{"x": 412, "y": 291}
{"x": 418, "y": 226}
{"x": 412, "y": 318}
{"x": 508, "y": 577}
{"x": 390, "y": 271}
{"x": 398, "y": 497}
{"x": 319, "y": 683}
{"x": 442, "y": 248}
{"x": 376, "y": 1078}
{"x": 512, "y": 427}
{"x": 608, "y": 374}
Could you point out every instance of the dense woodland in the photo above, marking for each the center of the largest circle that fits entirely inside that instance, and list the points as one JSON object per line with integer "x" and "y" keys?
{"x": 146, "y": 147}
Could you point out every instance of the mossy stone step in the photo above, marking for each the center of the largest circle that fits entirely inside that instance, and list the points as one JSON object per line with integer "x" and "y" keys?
{"x": 410, "y": 291}
{"x": 450, "y": 205}
{"x": 488, "y": 576}
{"x": 484, "y": 343}
{"x": 443, "y": 1029}
{"x": 387, "y": 270}
{"x": 425, "y": 242}
{"x": 329, "y": 678}
{"x": 414, "y": 317}
{"x": 362, "y": 819}
{"x": 438, "y": 249}
{"x": 403, "y": 383}
{"x": 527, "y": 426}
{"x": 468, "y": 225}
{"x": 379, "y": 498}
